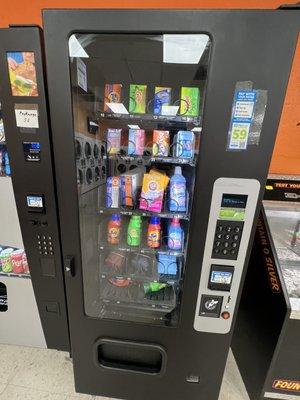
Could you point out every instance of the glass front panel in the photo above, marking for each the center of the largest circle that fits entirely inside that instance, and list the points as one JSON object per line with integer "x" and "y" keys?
{"x": 137, "y": 105}
{"x": 284, "y": 222}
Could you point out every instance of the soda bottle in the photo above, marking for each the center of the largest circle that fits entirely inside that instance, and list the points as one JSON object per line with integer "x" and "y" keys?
{"x": 134, "y": 231}
{"x": 153, "y": 235}
{"x": 114, "y": 229}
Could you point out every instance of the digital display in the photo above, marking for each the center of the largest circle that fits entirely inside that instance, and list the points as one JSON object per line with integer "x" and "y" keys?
{"x": 234, "y": 200}
{"x": 31, "y": 146}
{"x": 35, "y": 202}
{"x": 221, "y": 277}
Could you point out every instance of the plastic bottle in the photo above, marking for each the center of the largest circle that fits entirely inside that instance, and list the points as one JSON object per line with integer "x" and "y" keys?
{"x": 114, "y": 229}
{"x": 134, "y": 231}
{"x": 175, "y": 235}
{"x": 178, "y": 191}
{"x": 153, "y": 235}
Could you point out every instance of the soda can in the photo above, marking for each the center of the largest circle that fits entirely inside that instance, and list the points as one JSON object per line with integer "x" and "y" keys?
{"x": 17, "y": 261}
{"x": 5, "y": 260}
{"x": 25, "y": 263}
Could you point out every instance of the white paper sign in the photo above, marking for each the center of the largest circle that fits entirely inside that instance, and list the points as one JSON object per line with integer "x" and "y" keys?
{"x": 169, "y": 110}
{"x": 117, "y": 108}
{"x": 27, "y": 118}
{"x": 81, "y": 74}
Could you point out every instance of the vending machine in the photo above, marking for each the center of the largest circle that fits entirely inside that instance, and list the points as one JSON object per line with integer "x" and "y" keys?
{"x": 162, "y": 128}
{"x": 27, "y": 147}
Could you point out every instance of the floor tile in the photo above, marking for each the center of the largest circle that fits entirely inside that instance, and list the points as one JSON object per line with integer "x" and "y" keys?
{"x": 22, "y": 393}
{"x": 51, "y": 372}
{"x": 12, "y": 359}
{"x": 2, "y": 387}
{"x": 232, "y": 386}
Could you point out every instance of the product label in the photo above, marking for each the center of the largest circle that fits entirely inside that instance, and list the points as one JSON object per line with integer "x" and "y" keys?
{"x": 243, "y": 110}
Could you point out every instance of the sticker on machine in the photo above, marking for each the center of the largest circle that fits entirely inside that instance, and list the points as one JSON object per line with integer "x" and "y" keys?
{"x": 27, "y": 115}
{"x": 247, "y": 116}
{"x": 22, "y": 73}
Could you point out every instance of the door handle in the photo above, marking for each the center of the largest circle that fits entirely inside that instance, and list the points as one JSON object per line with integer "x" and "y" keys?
{"x": 70, "y": 266}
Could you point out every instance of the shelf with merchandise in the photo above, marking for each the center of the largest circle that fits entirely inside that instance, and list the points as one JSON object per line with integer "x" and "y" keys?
{"x": 13, "y": 275}
{"x": 141, "y": 249}
{"x": 147, "y": 159}
{"x": 143, "y": 213}
{"x": 192, "y": 121}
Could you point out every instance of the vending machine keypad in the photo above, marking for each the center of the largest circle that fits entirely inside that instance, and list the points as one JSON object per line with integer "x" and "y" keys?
{"x": 45, "y": 245}
{"x": 227, "y": 239}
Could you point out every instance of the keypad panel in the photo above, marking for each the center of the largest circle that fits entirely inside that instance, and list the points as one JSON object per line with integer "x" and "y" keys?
{"x": 45, "y": 244}
{"x": 227, "y": 239}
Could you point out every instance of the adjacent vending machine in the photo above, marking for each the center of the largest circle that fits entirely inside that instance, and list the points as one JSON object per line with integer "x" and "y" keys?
{"x": 27, "y": 141}
{"x": 162, "y": 125}
{"x": 266, "y": 343}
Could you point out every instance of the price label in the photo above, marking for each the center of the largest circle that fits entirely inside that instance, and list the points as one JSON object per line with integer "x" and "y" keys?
{"x": 239, "y": 135}
{"x": 27, "y": 118}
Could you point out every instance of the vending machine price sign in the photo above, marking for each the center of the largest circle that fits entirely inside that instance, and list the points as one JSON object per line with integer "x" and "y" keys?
{"x": 242, "y": 117}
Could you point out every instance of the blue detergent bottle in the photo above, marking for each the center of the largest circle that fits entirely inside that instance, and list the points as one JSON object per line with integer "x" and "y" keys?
{"x": 175, "y": 235}
{"x": 177, "y": 191}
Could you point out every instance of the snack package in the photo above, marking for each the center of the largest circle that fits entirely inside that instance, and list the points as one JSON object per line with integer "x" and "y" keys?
{"x": 113, "y": 138}
{"x": 136, "y": 142}
{"x": 161, "y": 143}
{"x": 154, "y": 186}
{"x": 131, "y": 183}
{"x": 137, "y": 98}
{"x": 112, "y": 94}
{"x": 185, "y": 144}
{"x": 190, "y": 101}
{"x": 112, "y": 192}
{"x": 162, "y": 97}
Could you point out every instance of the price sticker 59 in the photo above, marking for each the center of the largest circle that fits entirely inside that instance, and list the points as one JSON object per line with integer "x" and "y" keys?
{"x": 239, "y": 135}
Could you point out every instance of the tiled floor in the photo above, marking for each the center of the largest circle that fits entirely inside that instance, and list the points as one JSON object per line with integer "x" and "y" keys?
{"x": 38, "y": 374}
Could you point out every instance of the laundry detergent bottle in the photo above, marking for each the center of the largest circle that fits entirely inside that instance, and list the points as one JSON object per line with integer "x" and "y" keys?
{"x": 175, "y": 235}
{"x": 177, "y": 191}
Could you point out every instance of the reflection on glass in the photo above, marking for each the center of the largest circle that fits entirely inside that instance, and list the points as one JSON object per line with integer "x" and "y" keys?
{"x": 136, "y": 169}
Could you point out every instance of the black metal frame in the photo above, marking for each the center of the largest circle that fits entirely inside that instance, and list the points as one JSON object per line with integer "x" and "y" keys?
{"x": 247, "y": 45}
{"x": 35, "y": 177}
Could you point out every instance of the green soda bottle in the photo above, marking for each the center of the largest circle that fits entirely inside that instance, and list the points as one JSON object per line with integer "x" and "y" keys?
{"x": 134, "y": 231}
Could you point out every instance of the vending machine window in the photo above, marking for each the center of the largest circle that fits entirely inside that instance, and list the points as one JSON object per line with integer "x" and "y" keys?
{"x": 136, "y": 171}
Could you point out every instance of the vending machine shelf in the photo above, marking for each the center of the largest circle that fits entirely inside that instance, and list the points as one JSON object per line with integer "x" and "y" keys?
{"x": 142, "y": 250}
{"x": 135, "y": 211}
{"x": 12, "y": 275}
{"x": 149, "y": 158}
{"x": 194, "y": 121}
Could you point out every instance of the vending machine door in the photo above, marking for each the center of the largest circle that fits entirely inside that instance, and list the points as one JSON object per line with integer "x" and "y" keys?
{"x": 25, "y": 118}
{"x": 163, "y": 129}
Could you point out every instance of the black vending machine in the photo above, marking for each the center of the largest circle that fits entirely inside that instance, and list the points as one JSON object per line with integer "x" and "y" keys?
{"x": 162, "y": 126}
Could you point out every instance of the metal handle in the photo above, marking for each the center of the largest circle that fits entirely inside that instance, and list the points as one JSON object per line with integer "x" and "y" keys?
{"x": 70, "y": 266}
